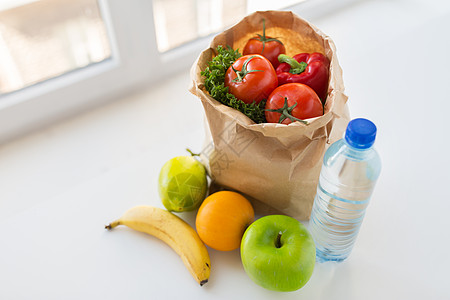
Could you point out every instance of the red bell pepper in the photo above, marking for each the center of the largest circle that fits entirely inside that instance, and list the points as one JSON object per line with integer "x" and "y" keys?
{"x": 311, "y": 69}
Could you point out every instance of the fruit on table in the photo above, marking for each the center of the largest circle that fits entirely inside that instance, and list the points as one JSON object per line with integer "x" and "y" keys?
{"x": 175, "y": 232}
{"x": 293, "y": 102}
{"x": 267, "y": 46}
{"x": 222, "y": 219}
{"x": 182, "y": 184}
{"x": 278, "y": 253}
{"x": 251, "y": 78}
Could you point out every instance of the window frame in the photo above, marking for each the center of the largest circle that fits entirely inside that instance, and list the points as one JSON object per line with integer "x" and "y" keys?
{"x": 134, "y": 59}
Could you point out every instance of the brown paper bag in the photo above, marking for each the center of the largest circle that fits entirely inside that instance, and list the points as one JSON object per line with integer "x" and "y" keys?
{"x": 277, "y": 166}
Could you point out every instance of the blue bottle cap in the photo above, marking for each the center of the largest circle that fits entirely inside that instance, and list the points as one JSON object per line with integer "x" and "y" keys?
{"x": 360, "y": 133}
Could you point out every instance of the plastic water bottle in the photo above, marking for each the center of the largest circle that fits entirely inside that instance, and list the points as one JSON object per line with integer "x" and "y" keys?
{"x": 350, "y": 169}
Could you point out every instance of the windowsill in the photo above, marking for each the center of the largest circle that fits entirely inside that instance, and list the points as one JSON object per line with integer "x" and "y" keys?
{"x": 141, "y": 126}
{"x": 61, "y": 184}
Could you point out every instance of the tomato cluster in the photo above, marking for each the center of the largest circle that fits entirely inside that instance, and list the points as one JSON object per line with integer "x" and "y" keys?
{"x": 295, "y": 88}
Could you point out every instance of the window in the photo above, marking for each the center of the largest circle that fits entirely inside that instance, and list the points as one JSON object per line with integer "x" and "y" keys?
{"x": 36, "y": 44}
{"x": 59, "y": 57}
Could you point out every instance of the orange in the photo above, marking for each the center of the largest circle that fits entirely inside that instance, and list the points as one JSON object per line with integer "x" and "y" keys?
{"x": 222, "y": 219}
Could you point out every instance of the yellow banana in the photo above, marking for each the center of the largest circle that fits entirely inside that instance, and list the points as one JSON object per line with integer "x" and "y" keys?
{"x": 175, "y": 232}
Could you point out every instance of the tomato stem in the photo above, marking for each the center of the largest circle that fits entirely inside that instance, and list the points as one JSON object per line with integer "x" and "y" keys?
{"x": 241, "y": 74}
{"x": 286, "y": 112}
{"x": 296, "y": 67}
{"x": 263, "y": 39}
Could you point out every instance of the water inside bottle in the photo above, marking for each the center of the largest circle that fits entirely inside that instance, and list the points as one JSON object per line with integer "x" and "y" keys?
{"x": 339, "y": 209}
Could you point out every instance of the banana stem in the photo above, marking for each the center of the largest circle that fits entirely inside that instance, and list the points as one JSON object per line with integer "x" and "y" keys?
{"x": 112, "y": 225}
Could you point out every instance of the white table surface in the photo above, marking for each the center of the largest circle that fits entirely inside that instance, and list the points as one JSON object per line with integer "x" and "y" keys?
{"x": 60, "y": 185}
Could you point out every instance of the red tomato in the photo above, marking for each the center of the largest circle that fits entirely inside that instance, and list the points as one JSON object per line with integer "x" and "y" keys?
{"x": 293, "y": 102}
{"x": 251, "y": 78}
{"x": 269, "y": 50}
{"x": 267, "y": 46}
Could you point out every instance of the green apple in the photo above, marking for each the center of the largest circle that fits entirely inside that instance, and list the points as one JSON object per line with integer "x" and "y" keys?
{"x": 182, "y": 184}
{"x": 278, "y": 253}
